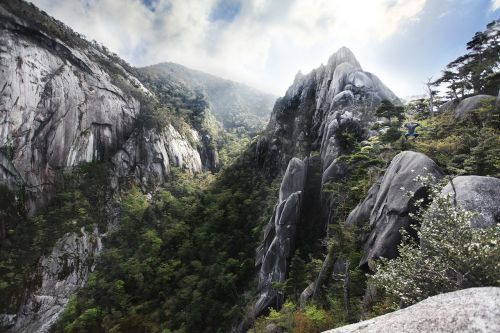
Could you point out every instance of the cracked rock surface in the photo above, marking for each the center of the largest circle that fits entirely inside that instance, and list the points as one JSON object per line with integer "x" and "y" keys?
{"x": 387, "y": 206}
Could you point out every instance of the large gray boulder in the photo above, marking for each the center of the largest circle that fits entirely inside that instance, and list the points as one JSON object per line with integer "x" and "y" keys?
{"x": 387, "y": 207}
{"x": 469, "y": 310}
{"x": 477, "y": 194}
{"x": 470, "y": 104}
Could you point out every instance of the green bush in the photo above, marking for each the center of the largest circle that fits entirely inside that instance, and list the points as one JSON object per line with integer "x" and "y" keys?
{"x": 451, "y": 255}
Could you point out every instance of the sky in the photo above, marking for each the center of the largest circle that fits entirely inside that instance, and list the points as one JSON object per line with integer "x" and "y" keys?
{"x": 264, "y": 43}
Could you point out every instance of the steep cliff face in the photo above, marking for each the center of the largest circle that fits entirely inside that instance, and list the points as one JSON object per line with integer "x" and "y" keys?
{"x": 64, "y": 101}
{"x": 279, "y": 234}
{"x": 305, "y": 124}
{"x": 62, "y": 273}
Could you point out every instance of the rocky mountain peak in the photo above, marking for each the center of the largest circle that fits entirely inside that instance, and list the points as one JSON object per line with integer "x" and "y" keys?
{"x": 319, "y": 103}
{"x": 343, "y": 55}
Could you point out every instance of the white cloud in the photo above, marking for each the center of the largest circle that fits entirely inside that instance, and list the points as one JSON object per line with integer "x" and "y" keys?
{"x": 265, "y": 45}
{"x": 495, "y": 5}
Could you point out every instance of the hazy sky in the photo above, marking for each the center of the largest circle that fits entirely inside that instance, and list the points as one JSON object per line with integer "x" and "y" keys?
{"x": 264, "y": 43}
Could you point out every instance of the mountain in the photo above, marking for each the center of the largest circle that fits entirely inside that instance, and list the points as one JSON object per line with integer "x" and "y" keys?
{"x": 67, "y": 101}
{"x": 68, "y": 105}
{"x": 234, "y": 105}
{"x": 143, "y": 199}
{"x": 306, "y": 136}
{"x": 316, "y": 105}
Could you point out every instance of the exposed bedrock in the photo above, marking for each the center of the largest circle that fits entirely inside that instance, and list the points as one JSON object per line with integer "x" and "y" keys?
{"x": 315, "y": 106}
{"x": 387, "y": 206}
{"x": 476, "y": 194}
{"x": 304, "y": 124}
{"x": 64, "y": 103}
{"x": 61, "y": 274}
{"x": 279, "y": 235}
{"x": 468, "y": 310}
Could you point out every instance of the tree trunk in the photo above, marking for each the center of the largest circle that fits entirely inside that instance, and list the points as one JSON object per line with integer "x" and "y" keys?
{"x": 431, "y": 98}
{"x": 347, "y": 303}
{"x": 325, "y": 272}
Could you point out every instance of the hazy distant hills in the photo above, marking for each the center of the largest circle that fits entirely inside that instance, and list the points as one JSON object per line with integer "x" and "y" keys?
{"x": 235, "y": 105}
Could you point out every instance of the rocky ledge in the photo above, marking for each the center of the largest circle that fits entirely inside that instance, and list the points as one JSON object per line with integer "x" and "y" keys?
{"x": 468, "y": 310}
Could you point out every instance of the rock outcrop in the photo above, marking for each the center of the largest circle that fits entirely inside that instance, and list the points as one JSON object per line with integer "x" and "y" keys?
{"x": 468, "y": 310}
{"x": 148, "y": 155}
{"x": 58, "y": 108}
{"x": 61, "y": 273}
{"x": 387, "y": 206}
{"x": 477, "y": 194}
{"x": 338, "y": 96}
{"x": 472, "y": 103}
{"x": 279, "y": 235}
{"x": 334, "y": 96}
{"x": 67, "y": 101}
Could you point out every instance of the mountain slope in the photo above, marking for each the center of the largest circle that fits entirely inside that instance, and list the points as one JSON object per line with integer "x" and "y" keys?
{"x": 77, "y": 125}
{"x": 233, "y": 104}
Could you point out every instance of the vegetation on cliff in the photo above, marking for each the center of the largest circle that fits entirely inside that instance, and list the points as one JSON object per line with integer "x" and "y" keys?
{"x": 182, "y": 260}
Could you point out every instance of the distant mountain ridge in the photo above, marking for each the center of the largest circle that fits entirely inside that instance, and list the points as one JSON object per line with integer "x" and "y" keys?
{"x": 234, "y": 104}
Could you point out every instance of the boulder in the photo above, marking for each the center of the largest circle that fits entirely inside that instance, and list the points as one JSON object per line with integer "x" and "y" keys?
{"x": 477, "y": 194}
{"x": 468, "y": 310}
{"x": 471, "y": 103}
{"x": 387, "y": 206}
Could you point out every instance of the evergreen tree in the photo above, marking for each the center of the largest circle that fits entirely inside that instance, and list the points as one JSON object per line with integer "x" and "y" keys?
{"x": 476, "y": 72}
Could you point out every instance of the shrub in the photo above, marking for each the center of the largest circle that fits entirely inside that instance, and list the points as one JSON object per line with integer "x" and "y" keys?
{"x": 451, "y": 255}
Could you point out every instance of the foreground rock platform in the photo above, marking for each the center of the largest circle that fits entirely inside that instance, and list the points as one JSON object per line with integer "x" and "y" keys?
{"x": 468, "y": 310}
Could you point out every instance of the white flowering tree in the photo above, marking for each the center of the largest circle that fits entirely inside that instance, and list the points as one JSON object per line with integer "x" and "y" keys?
{"x": 450, "y": 255}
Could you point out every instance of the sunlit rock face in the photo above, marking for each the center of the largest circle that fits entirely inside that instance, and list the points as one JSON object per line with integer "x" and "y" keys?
{"x": 148, "y": 155}
{"x": 60, "y": 106}
{"x": 468, "y": 310}
{"x": 315, "y": 106}
{"x": 57, "y": 107}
